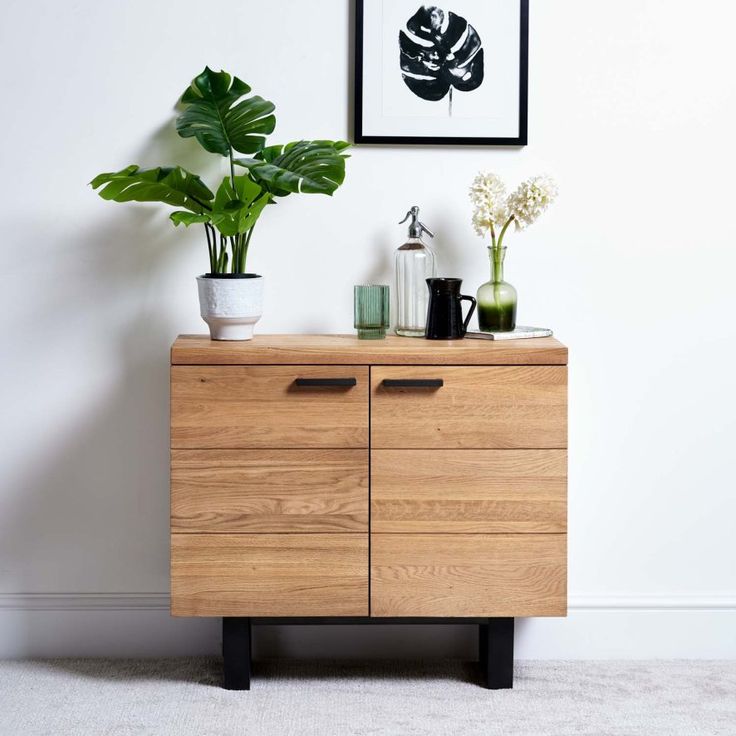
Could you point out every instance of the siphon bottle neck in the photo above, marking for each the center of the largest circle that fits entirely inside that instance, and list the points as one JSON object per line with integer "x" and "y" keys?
{"x": 414, "y": 244}
{"x": 497, "y": 256}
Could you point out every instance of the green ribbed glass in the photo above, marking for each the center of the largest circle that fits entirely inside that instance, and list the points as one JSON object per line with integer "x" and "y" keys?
{"x": 371, "y": 305}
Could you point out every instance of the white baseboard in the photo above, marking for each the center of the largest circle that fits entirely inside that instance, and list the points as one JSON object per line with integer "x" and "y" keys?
{"x": 139, "y": 625}
{"x": 713, "y": 602}
{"x": 84, "y": 601}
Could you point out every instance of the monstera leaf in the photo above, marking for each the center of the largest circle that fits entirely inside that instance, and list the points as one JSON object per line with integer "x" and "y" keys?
{"x": 182, "y": 217}
{"x": 174, "y": 186}
{"x": 440, "y": 52}
{"x": 310, "y": 167}
{"x": 237, "y": 208}
{"x": 220, "y": 116}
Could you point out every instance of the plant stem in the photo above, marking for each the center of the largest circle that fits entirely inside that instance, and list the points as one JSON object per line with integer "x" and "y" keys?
{"x": 247, "y": 244}
{"x": 497, "y": 277}
{"x": 235, "y": 245}
{"x": 209, "y": 248}
{"x": 201, "y": 204}
{"x": 497, "y": 265}
{"x": 234, "y": 242}
{"x": 503, "y": 232}
{"x": 450, "y": 100}
{"x": 222, "y": 258}
{"x": 232, "y": 169}
{"x": 493, "y": 236}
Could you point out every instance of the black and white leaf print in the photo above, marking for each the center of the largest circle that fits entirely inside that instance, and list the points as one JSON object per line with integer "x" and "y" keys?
{"x": 438, "y": 52}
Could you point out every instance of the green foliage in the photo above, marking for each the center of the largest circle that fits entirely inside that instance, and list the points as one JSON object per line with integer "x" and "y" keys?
{"x": 238, "y": 207}
{"x": 234, "y": 212}
{"x": 173, "y": 186}
{"x": 220, "y": 116}
{"x": 310, "y": 167}
{"x": 181, "y": 217}
{"x": 224, "y": 120}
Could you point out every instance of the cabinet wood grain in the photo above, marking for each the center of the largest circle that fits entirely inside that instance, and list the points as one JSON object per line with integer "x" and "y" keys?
{"x": 241, "y": 407}
{"x": 269, "y": 491}
{"x": 470, "y": 491}
{"x": 269, "y": 574}
{"x": 468, "y": 575}
{"x": 359, "y": 499}
{"x": 347, "y": 349}
{"x": 521, "y": 407}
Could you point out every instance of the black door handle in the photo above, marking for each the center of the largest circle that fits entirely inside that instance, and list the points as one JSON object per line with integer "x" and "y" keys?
{"x": 326, "y": 382}
{"x": 413, "y": 383}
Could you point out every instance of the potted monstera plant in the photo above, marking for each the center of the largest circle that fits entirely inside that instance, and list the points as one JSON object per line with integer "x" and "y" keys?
{"x": 219, "y": 112}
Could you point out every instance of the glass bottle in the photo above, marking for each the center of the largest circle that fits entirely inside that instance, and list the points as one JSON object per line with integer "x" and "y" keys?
{"x": 497, "y": 298}
{"x": 415, "y": 263}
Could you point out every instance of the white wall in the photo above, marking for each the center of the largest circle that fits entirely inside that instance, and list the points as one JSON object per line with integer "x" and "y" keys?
{"x": 632, "y": 108}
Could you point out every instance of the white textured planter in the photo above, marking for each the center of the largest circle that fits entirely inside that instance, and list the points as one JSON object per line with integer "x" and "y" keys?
{"x": 231, "y": 306}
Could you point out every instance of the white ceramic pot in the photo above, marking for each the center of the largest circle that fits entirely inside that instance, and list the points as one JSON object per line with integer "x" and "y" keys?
{"x": 231, "y": 306}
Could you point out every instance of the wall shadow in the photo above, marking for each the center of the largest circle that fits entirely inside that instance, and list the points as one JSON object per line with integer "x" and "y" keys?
{"x": 88, "y": 510}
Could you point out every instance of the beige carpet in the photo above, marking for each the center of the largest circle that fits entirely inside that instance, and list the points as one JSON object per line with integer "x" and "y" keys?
{"x": 181, "y": 696}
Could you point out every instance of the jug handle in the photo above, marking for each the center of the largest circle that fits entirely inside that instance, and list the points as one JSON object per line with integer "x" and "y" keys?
{"x": 473, "y": 304}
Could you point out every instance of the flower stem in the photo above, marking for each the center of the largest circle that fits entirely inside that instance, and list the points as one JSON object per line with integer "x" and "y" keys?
{"x": 497, "y": 265}
{"x": 503, "y": 231}
{"x": 497, "y": 255}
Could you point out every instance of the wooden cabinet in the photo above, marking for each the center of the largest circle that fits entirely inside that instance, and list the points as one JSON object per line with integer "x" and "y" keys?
{"x": 469, "y": 491}
{"x": 461, "y": 575}
{"x": 238, "y": 407}
{"x": 323, "y": 476}
{"x": 269, "y": 574}
{"x": 269, "y": 491}
{"x": 475, "y": 407}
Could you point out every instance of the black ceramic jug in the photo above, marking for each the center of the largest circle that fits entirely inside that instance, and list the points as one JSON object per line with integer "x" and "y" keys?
{"x": 445, "y": 312}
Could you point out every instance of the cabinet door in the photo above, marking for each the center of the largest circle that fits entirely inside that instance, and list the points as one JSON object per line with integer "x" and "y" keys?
{"x": 468, "y": 575}
{"x": 238, "y": 407}
{"x": 269, "y": 574}
{"x": 469, "y": 491}
{"x": 269, "y": 491}
{"x": 475, "y": 407}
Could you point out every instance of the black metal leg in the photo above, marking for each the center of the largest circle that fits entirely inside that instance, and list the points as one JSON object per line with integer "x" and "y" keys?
{"x": 483, "y": 647}
{"x": 236, "y": 652}
{"x": 499, "y": 653}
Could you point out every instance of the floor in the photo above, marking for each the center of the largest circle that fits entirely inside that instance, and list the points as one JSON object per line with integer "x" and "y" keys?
{"x": 182, "y": 696}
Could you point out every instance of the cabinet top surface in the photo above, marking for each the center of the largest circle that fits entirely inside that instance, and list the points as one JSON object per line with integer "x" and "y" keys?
{"x": 348, "y": 350}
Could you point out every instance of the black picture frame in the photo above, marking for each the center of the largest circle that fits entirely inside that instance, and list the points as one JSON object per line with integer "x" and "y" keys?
{"x": 520, "y": 140}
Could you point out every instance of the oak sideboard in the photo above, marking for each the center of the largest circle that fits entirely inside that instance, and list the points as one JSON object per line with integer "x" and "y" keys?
{"x": 322, "y": 478}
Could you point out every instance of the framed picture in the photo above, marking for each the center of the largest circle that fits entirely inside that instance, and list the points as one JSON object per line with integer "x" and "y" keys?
{"x": 454, "y": 73}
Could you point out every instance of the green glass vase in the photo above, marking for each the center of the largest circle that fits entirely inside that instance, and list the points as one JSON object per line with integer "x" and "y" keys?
{"x": 497, "y": 298}
{"x": 371, "y": 306}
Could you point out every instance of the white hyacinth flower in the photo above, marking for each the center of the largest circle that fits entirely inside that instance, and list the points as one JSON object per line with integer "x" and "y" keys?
{"x": 531, "y": 199}
{"x": 488, "y": 195}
